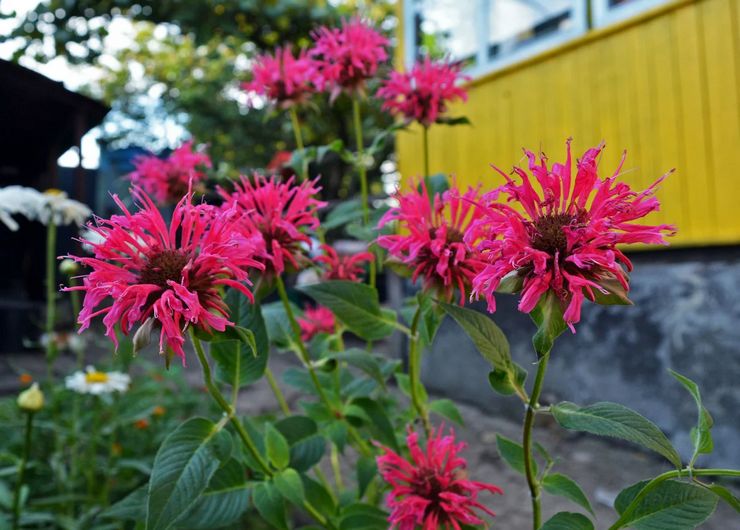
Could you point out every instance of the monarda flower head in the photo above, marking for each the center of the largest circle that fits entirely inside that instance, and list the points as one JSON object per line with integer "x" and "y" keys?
{"x": 280, "y": 212}
{"x": 336, "y": 267}
{"x": 430, "y": 491}
{"x": 284, "y": 79}
{"x": 348, "y": 56}
{"x": 168, "y": 180}
{"x": 564, "y": 238}
{"x": 430, "y": 238}
{"x": 162, "y": 276}
{"x": 422, "y": 94}
{"x": 316, "y": 320}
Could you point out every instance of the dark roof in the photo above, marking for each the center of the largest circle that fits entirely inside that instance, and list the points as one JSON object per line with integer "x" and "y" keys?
{"x": 38, "y": 119}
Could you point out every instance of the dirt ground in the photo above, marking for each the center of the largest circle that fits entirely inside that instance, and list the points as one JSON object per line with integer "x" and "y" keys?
{"x": 602, "y": 467}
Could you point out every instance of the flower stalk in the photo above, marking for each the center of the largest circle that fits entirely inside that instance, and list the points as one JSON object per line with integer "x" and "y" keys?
{"x": 279, "y": 396}
{"x": 425, "y": 142}
{"x": 532, "y": 406}
{"x": 362, "y": 169}
{"x": 415, "y": 373}
{"x": 296, "y": 124}
{"x": 51, "y": 302}
{"x": 22, "y": 471}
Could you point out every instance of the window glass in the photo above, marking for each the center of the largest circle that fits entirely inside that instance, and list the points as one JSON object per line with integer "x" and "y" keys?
{"x": 446, "y": 27}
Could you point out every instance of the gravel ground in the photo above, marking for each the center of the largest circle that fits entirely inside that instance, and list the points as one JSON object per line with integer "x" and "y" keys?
{"x": 602, "y": 467}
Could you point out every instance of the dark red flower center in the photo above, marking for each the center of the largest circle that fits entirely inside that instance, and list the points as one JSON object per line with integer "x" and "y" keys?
{"x": 429, "y": 487}
{"x": 548, "y": 235}
{"x": 163, "y": 266}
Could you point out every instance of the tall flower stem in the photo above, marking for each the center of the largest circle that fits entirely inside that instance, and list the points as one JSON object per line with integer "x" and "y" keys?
{"x": 296, "y": 124}
{"x": 22, "y": 471}
{"x": 74, "y": 297}
{"x": 362, "y": 169}
{"x": 240, "y": 430}
{"x": 415, "y": 373}
{"x": 51, "y": 301}
{"x": 534, "y": 485}
{"x": 425, "y": 140}
{"x": 278, "y": 393}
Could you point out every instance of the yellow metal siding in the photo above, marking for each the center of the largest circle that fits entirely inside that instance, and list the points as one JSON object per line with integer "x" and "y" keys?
{"x": 666, "y": 87}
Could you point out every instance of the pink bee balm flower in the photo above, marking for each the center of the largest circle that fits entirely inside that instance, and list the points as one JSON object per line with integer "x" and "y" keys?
{"x": 423, "y": 93}
{"x": 279, "y": 211}
{"x": 336, "y": 267}
{"x": 430, "y": 239}
{"x": 316, "y": 320}
{"x": 565, "y": 237}
{"x": 170, "y": 179}
{"x": 348, "y": 56}
{"x": 282, "y": 78}
{"x": 430, "y": 491}
{"x": 165, "y": 276}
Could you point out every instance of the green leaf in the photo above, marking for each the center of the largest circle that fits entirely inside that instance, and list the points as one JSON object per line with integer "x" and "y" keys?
{"x": 701, "y": 435}
{"x": 184, "y": 464}
{"x": 513, "y": 454}
{"x": 363, "y": 360}
{"x": 672, "y": 505}
{"x": 289, "y": 484}
{"x": 318, "y": 496}
{"x": 459, "y": 120}
{"x": 492, "y": 344}
{"x": 307, "y": 447}
{"x": 343, "y": 213}
{"x": 360, "y": 516}
{"x": 726, "y": 495}
{"x": 277, "y": 448}
{"x": 564, "y": 486}
{"x": 568, "y": 521}
{"x": 270, "y": 505}
{"x": 404, "y": 384}
{"x": 367, "y": 468}
{"x": 237, "y": 363}
{"x": 448, "y": 409}
{"x": 132, "y": 507}
{"x": 224, "y": 501}
{"x": 355, "y": 305}
{"x": 548, "y": 315}
{"x": 612, "y": 419}
{"x": 380, "y": 425}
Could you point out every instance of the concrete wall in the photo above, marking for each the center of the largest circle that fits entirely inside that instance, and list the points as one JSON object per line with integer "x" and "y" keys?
{"x": 686, "y": 317}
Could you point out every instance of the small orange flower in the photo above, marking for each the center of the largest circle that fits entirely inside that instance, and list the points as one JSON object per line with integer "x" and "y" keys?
{"x": 141, "y": 424}
{"x": 158, "y": 411}
{"x": 25, "y": 378}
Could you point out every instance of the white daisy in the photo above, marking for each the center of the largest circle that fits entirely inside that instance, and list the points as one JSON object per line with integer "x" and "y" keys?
{"x": 97, "y": 383}
{"x": 27, "y": 202}
{"x": 89, "y": 238}
{"x": 63, "y": 210}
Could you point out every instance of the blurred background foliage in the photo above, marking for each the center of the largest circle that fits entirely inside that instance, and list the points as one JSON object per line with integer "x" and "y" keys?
{"x": 181, "y": 65}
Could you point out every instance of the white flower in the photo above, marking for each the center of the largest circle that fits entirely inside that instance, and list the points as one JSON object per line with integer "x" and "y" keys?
{"x": 27, "y": 202}
{"x": 97, "y": 383}
{"x": 90, "y": 237}
{"x": 64, "y": 341}
{"x": 63, "y": 210}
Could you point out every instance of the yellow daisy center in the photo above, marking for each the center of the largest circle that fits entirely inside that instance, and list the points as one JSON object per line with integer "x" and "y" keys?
{"x": 54, "y": 192}
{"x": 96, "y": 377}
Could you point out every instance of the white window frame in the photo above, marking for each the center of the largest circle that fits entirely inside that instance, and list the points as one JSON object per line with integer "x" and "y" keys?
{"x": 484, "y": 65}
{"x": 603, "y": 15}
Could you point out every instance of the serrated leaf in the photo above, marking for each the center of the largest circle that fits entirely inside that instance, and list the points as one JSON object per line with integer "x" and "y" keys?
{"x": 343, "y": 213}
{"x": 513, "y": 454}
{"x": 184, "y": 465}
{"x": 568, "y": 521}
{"x": 363, "y": 360}
{"x": 132, "y": 507}
{"x": 612, "y": 419}
{"x": 270, "y": 504}
{"x": 447, "y": 409}
{"x": 276, "y": 447}
{"x": 564, "y": 486}
{"x": 672, "y": 505}
{"x": 360, "y": 516}
{"x": 366, "y": 471}
{"x": 701, "y": 435}
{"x": 355, "y": 305}
{"x": 289, "y": 484}
{"x": 307, "y": 447}
{"x": 380, "y": 425}
{"x": 318, "y": 496}
{"x": 548, "y": 315}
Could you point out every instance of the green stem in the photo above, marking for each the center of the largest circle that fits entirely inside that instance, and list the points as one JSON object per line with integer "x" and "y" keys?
{"x": 676, "y": 473}
{"x": 325, "y": 482}
{"x": 75, "y": 299}
{"x": 425, "y": 137}
{"x": 91, "y": 466}
{"x": 299, "y": 141}
{"x": 51, "y": 245}
{"x": 22, "y": 471}
{"x": 362, "y": 169}
{"x": 226, "y": 408}
{"x": 336, "y": 468}
{"x": 278, "y": 393}
{"x": 415, "y": 373}
{"x": 534, "y": 485}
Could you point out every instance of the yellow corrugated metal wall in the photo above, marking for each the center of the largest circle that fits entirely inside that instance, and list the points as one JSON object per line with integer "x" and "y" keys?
{"x": 665, "y": 86}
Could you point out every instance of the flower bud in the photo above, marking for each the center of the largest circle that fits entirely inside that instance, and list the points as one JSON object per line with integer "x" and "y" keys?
{"x": 69, "y": 267}
{"x": 31, "y": 399}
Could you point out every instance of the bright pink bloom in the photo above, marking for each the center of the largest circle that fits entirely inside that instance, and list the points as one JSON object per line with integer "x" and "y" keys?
{"x": 423, "y": 93}
{"x": 316, "y": 320}
{"x": 565, "y": 237}
{"x": 336, "y": 267}
{"x": 170, "y": 179}
{"x": 279, "y": 211}
{"x": 348, "y": 56}
{"x": 430, "y": 491}
{"x": 171, "y": 274}
{"x": 430, "y": 238}
{"x": 283, "y": 78}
